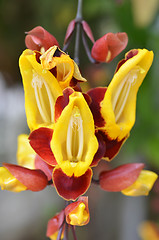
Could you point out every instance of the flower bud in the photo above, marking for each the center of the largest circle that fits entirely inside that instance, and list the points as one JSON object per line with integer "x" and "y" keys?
{"x": 77, "y": 213}
{"x": 106, "y": 48}
{"x": 39, "y": 39}
{"x": 121, "y": 177}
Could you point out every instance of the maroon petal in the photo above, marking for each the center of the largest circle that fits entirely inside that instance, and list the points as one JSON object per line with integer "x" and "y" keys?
{"x": 121, "y": 177}
{"x": 70, "y": 30}
{"x": 62, "y": 102}
{"x": 40, "y": 142}
{"x": 101, "y": 150}
{"x": 38, "y": 37}
{"x": 55, "y": 223}
{"x": 88, "y": 30}
{"x": 43, "y": 166}
{"x": 112, "y": 146}
{"x": 109, "y": 46}
{"x": 97, "y": 95}
{"x": 34, "y": 180}
{"x": 71, "y": 188}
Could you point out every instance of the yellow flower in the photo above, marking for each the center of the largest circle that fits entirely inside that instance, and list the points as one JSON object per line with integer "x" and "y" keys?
{"x": 118, "y": 107}
{"x": 41, "y": 90}
{"x": 74, "y": 143}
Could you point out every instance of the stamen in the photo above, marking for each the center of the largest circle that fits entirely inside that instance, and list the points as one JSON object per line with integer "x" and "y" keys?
{"x": 74, "y": 143}
{"x": 123, "y": 90}
{"x": 37, "y": 83}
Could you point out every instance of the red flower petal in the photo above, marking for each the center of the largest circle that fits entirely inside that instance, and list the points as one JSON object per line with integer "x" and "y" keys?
{"x": 55, "y": 223}
{"x": 88, "y": 30}
{"x": 106, "y": 48}
{"x": 70, "y": 30}
{"x": 43, "y": 166}
{"x": 40, "y": 142}
{"x": 112, "y": 146}
{"x": 101, "y": 150}
{"x": 71, "y": 188}
{"x": 62, "y": 102}
{"x": 38, "y": 37}
{"x": 34, "y": 180}
{"x": 97, "y": 95}
{"x": 121, "y": 177}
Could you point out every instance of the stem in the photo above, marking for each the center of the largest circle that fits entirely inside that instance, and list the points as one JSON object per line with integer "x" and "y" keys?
{"x": 78, "y": 20}
{"x": 60, "y": 232}
{"x": 66, "y": 232}
{"x": 85, "y": 44}
{"x": 74, "y": 233}
{"x": 95, "y": 181}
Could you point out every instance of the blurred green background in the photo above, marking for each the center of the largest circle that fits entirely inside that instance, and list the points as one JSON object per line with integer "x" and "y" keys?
{"x": 138, "y": 18}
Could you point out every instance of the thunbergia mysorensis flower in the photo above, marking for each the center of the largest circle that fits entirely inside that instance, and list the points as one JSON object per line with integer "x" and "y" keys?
{"x": 44, "y": 77}
{"x": 114, "y": 107}
{"x": 71, "y": 146}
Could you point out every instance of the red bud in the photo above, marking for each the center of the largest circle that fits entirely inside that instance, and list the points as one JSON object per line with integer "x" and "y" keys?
{"x": 34, "y": 180}
{"x": 88, "y": 30}
{"x": 121, "y": 177}
{"x": 39, "y": 38}
{"x": 106, "y": 48}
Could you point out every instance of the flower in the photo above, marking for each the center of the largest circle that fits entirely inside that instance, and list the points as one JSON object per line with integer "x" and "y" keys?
{"x": 130, "y": 179}
{"x": 44, "y": 77}
{"x": 106, "y": 48}
{"x": 54, "y": 226}
{"x": 149, "y": 230}
{"x": 70, "y": 146}
{"x": 39, "y": 39}
{"x": 77, "y": 213}
{"x": 114, "y": 107}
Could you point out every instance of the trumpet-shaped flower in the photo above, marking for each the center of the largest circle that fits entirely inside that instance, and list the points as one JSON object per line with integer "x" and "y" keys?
{"x": 114, "y": 107}
{"x": 71, "y": 146}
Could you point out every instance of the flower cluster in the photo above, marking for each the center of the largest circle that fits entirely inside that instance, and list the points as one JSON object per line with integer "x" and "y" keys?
{"x": 71, "y": 131}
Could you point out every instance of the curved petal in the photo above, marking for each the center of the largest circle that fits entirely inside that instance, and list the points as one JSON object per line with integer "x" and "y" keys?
{"x": 121, "y": 177}
{"x": 34, "y": 180}
{"x": 71, "y": 188}
{"x": 25, "y": 153}
{"x": 119, "y": 104}
{"x": 40, "y": 142}
{"x": 41, "y": 90}
{"x": 142, "y": 185}
{"x": 74, "y": 143}
{"x": 39, "y": 39}
{"x": 97, "y": 96}
{"x": 106, "y": 48}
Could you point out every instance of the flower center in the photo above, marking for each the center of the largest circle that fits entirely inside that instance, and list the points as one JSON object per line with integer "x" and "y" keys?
{"x": 121, "y": 95}
{"x": 75, "y": 137}
{"x": 63, "y": 71}
{"x": 44, "y": 99}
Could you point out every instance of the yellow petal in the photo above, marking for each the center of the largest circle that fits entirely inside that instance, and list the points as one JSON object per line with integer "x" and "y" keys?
{"x": 142, "y": 185}
{"x": 79, "y": 216}
{"x": 118, "y": 107}
{"x": 41, "y": 91}
{"x": 63, "y": 63}
{"x": 74, "y": 143}
{"x": 25, "y": 153}
{"x": 9, "y": 182}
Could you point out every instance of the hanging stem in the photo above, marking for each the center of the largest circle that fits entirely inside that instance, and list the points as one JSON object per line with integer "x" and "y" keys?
{"x": 74, "y": 232}
{"x": 78, "y": 20}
